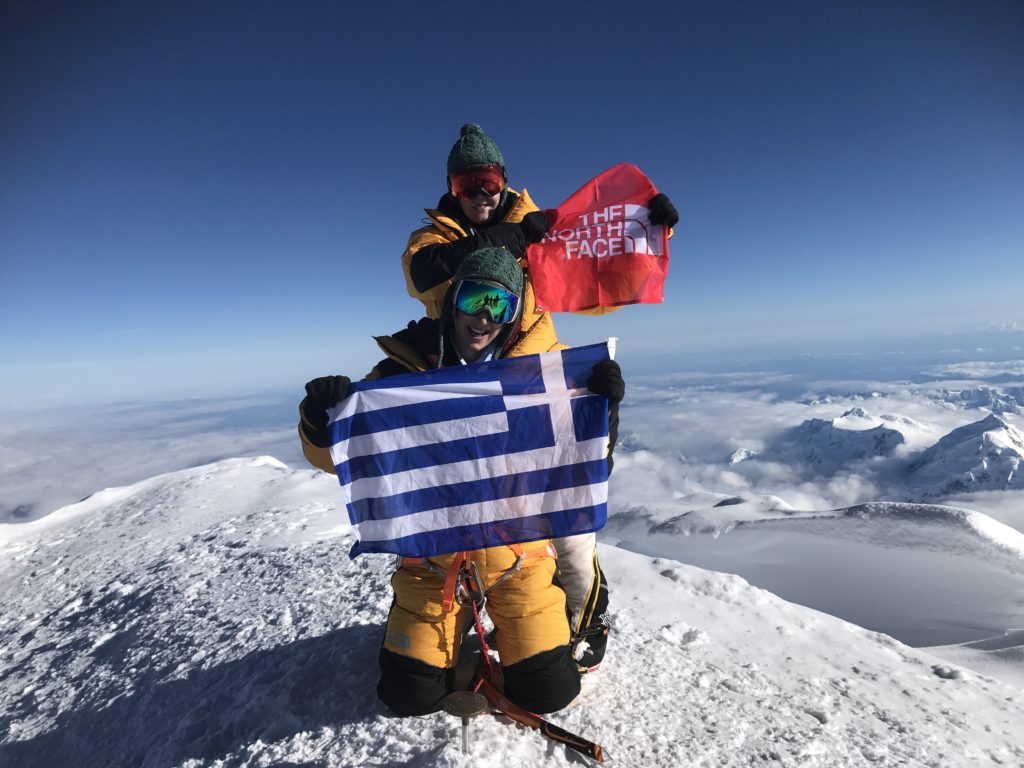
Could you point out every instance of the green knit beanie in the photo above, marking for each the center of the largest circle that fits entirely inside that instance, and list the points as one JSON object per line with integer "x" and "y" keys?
{"x": 473, "y": 148}
{"x": 496, "y": 265}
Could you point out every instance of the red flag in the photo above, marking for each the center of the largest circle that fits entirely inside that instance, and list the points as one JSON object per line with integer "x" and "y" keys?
{"x": 601, "y": 249}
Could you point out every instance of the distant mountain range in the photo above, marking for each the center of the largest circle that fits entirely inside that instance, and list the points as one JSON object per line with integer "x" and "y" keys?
{"x": 996, "y": 399}
{"x": 985, "y": 455}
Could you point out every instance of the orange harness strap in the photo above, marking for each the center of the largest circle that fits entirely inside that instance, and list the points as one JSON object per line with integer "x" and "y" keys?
{"x": 451, "y": 580}
{"x": 458, "y": 564}
{"x": 548, "y": 551}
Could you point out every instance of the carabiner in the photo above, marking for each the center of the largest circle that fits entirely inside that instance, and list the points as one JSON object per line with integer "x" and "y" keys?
{"x": 470, "y": 588}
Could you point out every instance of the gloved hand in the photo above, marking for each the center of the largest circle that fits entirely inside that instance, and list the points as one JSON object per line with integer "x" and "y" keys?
{"x": 662, "y": 211}
{"x": 606, "y": 379}
{"x": 324, "y": 393}
{"x": 535, "y": 225}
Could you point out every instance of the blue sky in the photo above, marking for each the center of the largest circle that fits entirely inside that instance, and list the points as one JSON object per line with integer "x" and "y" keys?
{"x": 201, "y": 198}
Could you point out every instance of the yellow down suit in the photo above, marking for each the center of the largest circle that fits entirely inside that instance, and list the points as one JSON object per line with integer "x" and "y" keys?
{"x": 428, "y": 276}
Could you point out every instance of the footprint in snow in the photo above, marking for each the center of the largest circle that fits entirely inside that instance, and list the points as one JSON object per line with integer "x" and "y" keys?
{"x": 682, "y": 634}
{"x": 947, "y": 673}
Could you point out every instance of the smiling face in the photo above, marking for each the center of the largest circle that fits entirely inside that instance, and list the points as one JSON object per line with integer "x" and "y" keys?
{"x": 478, "y": 190}
{"x": 474, "y": 334}
{"x": 479, "y": 208}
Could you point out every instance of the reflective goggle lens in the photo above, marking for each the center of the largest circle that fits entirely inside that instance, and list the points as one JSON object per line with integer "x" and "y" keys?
{"x": 473, "y": 298}
{"x": 470, "y": 182}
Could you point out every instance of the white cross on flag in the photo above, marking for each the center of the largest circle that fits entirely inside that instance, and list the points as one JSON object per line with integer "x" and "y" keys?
{"x": 474, "y": 456}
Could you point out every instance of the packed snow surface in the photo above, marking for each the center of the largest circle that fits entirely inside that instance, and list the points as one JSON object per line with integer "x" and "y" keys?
{"x": 212, "y": 617}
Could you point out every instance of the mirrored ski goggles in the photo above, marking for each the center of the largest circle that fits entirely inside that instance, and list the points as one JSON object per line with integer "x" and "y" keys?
{"x": 486, "y": 179}
{"x": 474, "y": 297}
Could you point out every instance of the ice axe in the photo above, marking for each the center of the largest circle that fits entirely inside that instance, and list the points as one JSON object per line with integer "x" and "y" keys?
{"x": 464, "y": 704}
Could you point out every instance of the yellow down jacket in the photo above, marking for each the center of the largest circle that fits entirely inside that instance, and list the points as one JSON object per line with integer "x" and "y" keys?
{"x": 538, "y": 331}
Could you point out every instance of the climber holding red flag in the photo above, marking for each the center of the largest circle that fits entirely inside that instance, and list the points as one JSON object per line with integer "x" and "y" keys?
{"x": 481, "y": 210}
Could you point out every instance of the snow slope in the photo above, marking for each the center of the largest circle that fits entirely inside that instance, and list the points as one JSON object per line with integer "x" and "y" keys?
{"x": 1002, "y": 657}
{"x": 212, "y": 617}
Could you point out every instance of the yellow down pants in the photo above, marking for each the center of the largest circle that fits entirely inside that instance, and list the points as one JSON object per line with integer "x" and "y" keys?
{"x": 526, "y": 607}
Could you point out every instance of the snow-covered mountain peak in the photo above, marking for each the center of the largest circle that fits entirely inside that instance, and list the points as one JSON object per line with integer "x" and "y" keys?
{"x": 857, "y": 412}
{"x": 985, "y": 455}
{"x": 742, "y": 454}
{"x": 829, "y": 445}
{"x": 989, "y": 422}
{"x": 856, "y": 419}
{"x": 991, "y": 431}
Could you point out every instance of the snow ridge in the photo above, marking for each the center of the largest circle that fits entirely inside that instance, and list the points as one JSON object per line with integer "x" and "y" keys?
{"x": 1008, "y": 540}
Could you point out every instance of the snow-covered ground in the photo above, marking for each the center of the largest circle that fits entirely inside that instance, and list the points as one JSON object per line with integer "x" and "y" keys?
{"x": 211, "y": 616}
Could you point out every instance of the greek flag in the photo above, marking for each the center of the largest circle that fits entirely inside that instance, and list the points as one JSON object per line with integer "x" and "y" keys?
{"x": 456, "y": 459}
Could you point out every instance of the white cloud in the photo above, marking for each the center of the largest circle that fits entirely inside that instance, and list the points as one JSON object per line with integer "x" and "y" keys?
{"x": 981, "y": 369}
{"x": 54, "y": 457}
{"x": 677, "y": 435}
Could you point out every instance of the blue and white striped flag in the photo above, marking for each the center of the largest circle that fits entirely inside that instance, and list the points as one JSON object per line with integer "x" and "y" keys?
{"x": 474, "y": 456}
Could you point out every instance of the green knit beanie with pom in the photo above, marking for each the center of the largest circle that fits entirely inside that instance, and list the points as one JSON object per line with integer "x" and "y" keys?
{"x": 495, "y": 265}
{"x": 473, "y": 148}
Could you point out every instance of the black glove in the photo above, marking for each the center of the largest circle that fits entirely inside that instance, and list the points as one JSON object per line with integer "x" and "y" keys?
{"x": 606, "y": 379}
{"x": 535, "y": 225}
{"x": 662, "y": 211}
{"x": 321, "y": 394}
